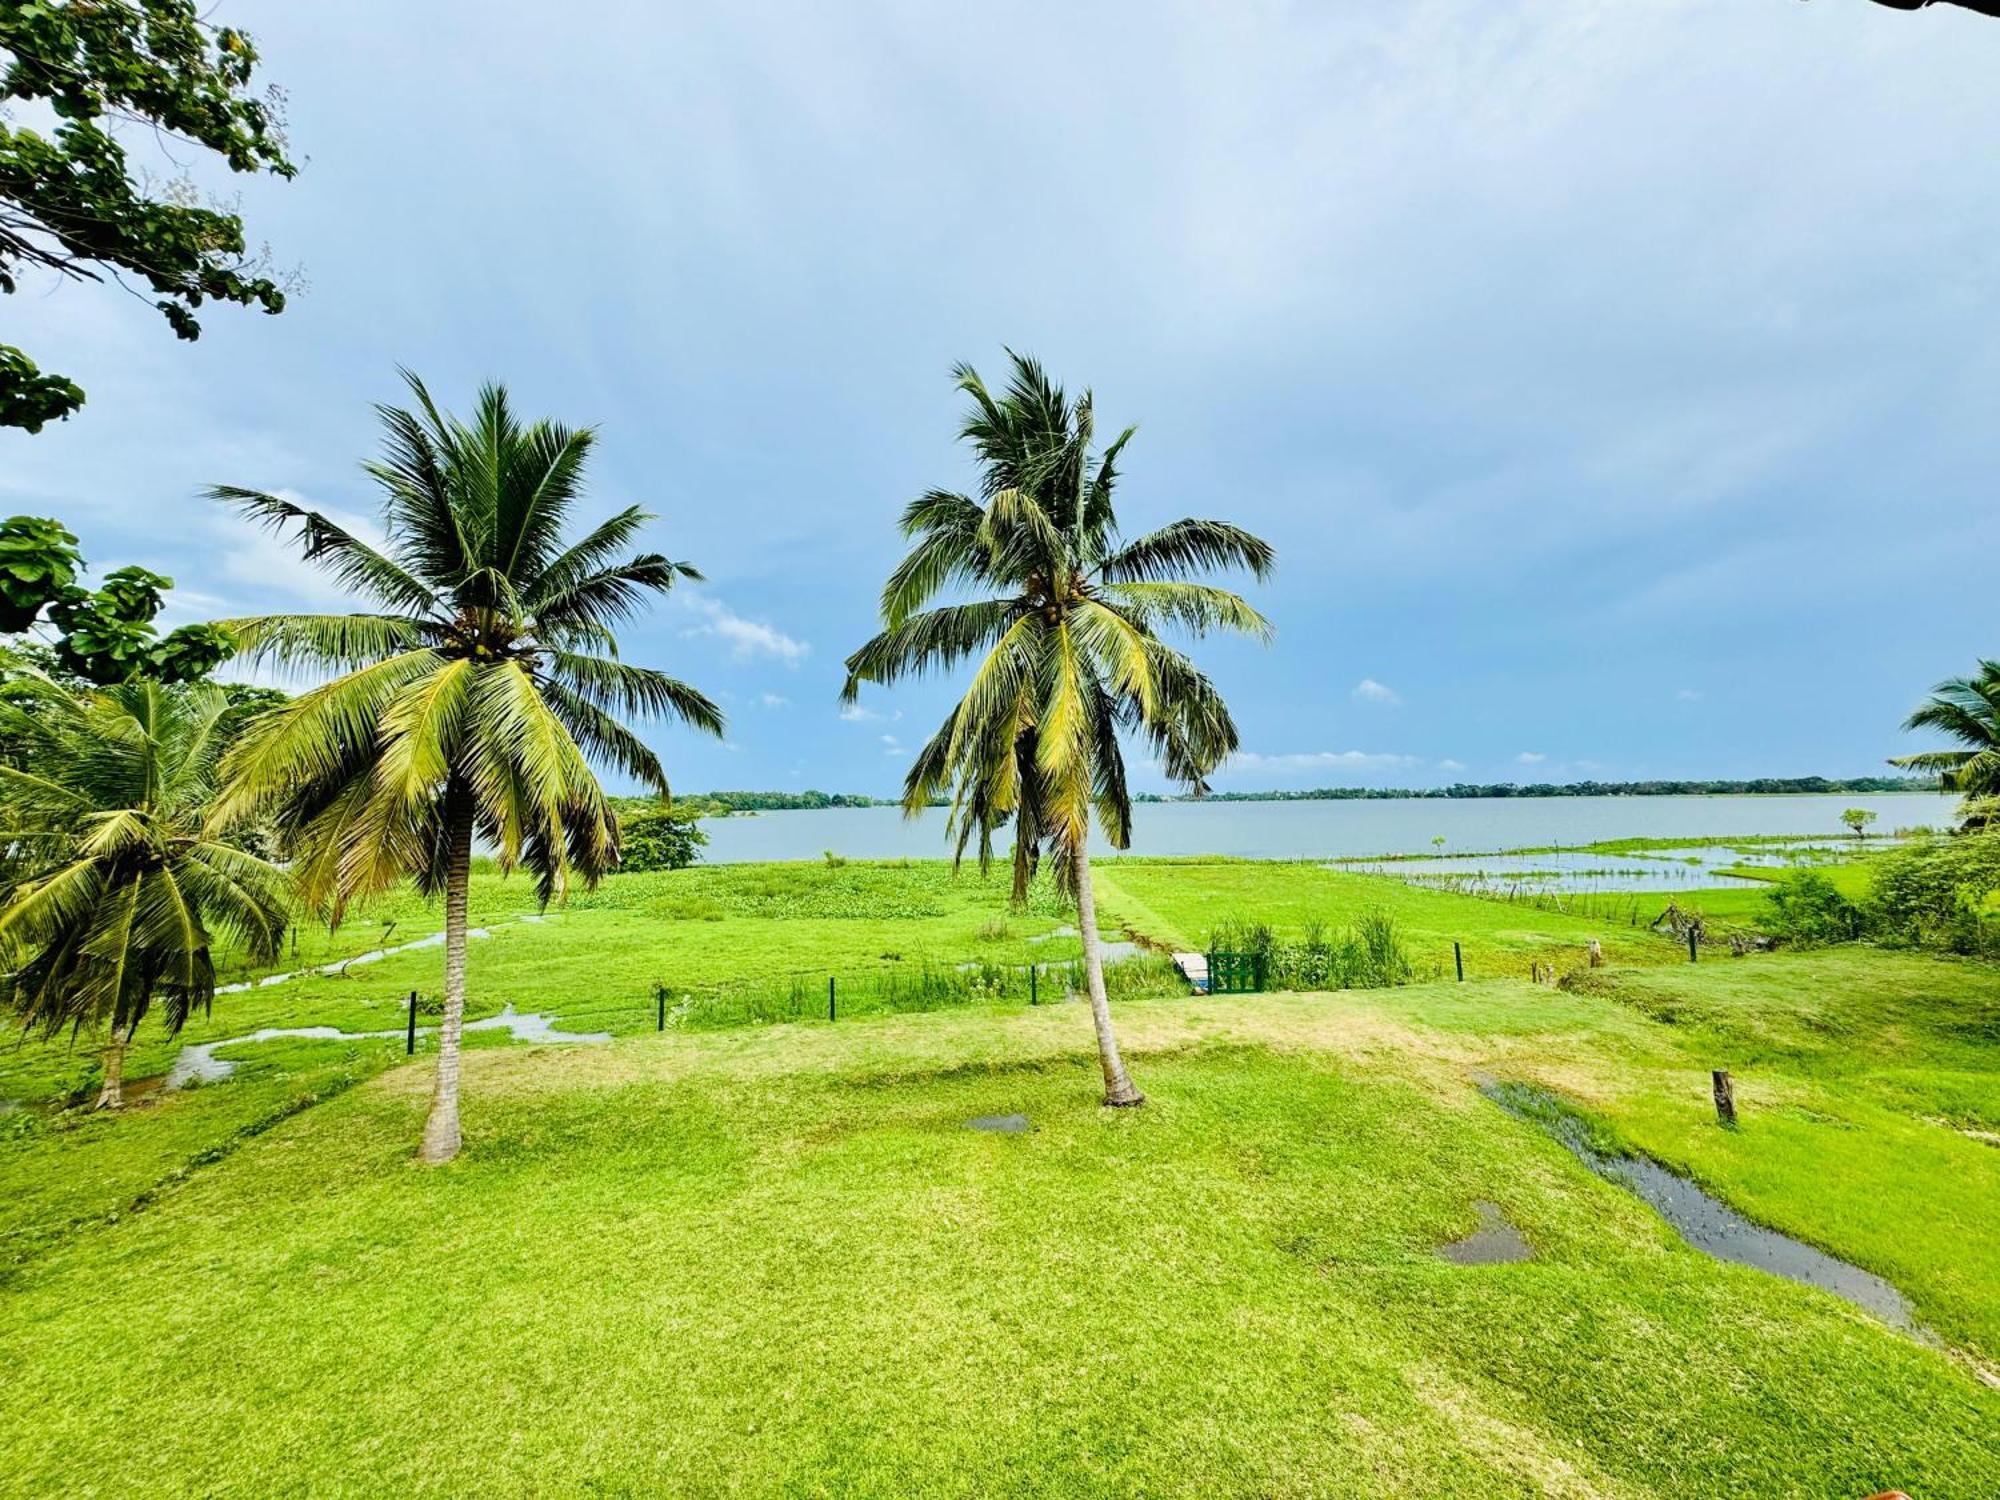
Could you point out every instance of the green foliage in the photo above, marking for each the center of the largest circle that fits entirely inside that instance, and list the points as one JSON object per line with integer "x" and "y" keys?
{"x": 38, "y": 567}
{"x": 1808, "y": 910}
{"x": 1966, "y": 709}
{"x": 72, "y": 204}
{"x": 107, "y": 635}
{"x": 1369, "y": 955}
{"x": 485, "y": 687}
{"x": 1857, "y": 820}
{"x": 664, "y": 838}
{"x": 1065, "y": 630}
{"x": 1937, "y": 893}
{"x": 118, "y": 897}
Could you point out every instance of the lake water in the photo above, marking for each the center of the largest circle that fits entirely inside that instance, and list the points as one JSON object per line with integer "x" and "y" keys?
{"x": 1333, "y": 830}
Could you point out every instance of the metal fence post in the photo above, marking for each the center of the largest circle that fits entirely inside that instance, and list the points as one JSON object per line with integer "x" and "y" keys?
{"x": 829, "y": 997}
{"x": 1458, "y": 957}
{"x": 410, "y": 1042}
{"x": 660, "y": 994}
{"x": 1034, "y": 997}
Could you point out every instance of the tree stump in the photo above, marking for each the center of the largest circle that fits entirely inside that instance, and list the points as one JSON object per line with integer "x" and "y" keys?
{"x": 1725, "y": 1096}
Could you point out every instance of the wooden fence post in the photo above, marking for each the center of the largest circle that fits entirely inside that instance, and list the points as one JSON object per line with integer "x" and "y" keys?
{"x": 1725, "y": 1096}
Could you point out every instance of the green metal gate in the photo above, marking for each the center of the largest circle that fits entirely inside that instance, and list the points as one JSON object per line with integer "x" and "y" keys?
{"x": 1236, "y": 973}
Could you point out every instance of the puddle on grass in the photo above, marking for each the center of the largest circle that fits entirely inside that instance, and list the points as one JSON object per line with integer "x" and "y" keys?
{"x": 1494, "y": 1243}
{"x": 197, "y": 1062}
{"x": 1705, "y": 1222}
{"x": 1001, "y": 1124}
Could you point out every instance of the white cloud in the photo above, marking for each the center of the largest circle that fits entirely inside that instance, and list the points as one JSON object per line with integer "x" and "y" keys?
{"x": 260, "y": 563}
{"x": 746, "y": 638}
{"x": 1530, "y": 758}
{"x": 1448, "y": 764}
{"x": 891, "y": 745}
{"x": 1359, "y": 762}
{"x": 854, "y": 713}
{"x": 775, "y": 700}
{"x": 1368, "y": 690}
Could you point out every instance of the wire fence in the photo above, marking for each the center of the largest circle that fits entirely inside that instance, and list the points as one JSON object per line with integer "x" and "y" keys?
{"x": 820, "y": 996}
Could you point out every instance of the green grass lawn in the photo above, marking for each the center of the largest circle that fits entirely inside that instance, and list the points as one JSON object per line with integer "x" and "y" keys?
{"x": 774, "y": 1259}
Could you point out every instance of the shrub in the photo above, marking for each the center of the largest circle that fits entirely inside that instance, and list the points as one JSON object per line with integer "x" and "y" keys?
{"x": 1935, "y": 894}
{"x": 1808, "y": 910}
{"x": 664, "y": 838}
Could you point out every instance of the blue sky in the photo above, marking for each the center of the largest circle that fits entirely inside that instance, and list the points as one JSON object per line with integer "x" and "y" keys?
{"x": 1617, "y": 382}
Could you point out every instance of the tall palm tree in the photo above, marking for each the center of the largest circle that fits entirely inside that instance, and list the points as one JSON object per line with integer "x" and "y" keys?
{"x": 477, "y": 695}
{"x": 118, "y": 894}
{"x": 1064, "y": 624}
{"x": 1968, "y": 710}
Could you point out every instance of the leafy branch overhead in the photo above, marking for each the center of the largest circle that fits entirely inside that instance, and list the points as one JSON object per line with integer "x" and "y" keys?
{"x": 72, "y": 203}
{"x": 103, "y": 636}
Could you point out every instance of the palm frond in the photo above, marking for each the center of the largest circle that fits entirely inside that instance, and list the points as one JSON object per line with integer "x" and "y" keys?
{"x": 353, "y": 563}
{"x": 327, "y": 642}
{"x": 924, "y": 642}
{"x": 1184, "y": 547}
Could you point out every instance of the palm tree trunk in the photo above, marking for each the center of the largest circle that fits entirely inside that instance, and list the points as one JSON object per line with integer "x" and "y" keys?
{"x": 441, "y": 1132}
{"x": 1118, "y": 1089}
{"x": 112, "y": 1094}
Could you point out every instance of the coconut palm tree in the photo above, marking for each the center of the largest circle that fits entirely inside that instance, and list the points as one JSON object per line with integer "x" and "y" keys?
{"x": 117, "y": 893}
{"x": 476, "y": 696}
{"x": 1968, "y": 710}
{"x": 1063, "y": 622}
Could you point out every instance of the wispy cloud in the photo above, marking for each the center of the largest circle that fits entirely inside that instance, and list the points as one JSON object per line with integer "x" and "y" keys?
{"x": 1688, "y": 695}
{"x": 746, "y": 638}
{"x": 1356, "y": 762}
{"x": 1530, "y": 758}
{"x": 774, "y": 700}
{"x": 1448, "y": 764}
{"x": 1368, "y": 690}
{"x": 854, "y": 713}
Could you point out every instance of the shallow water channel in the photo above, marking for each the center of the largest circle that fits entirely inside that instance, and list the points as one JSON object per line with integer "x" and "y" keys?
{"x": 197, "y": 1062}
{"x": 1705, "y": 1222}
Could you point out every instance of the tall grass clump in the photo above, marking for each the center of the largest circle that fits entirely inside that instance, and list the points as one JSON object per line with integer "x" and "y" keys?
{"x": 1367, "y": 956}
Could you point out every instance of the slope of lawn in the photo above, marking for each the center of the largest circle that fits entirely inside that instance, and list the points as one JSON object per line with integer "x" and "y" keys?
{"x": 596, "y": 959}
{"x": 775, "y": 1260}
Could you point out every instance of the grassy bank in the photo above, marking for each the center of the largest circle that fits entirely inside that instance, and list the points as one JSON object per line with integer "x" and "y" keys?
{"x": 776, "y": 1260}
{"x": 773, "y": 1259}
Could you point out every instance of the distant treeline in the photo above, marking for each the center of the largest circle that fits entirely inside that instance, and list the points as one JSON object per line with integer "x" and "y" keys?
{"x": 711, "y": 803}
{"x": 1764, "y": 786}
{"x": 718, "y": 804}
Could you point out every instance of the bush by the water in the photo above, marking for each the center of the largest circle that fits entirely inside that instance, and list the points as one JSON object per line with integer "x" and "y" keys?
{"x": 1367, "y": 956}
{"x": 1938, "y": 894}
{"x": 1807, "y": 910}
{"x": 661, "y": 838}
{"x": 1930, "y": 893}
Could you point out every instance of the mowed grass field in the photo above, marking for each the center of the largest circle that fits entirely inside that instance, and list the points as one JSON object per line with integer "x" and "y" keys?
{"x": 775, "y": 1260}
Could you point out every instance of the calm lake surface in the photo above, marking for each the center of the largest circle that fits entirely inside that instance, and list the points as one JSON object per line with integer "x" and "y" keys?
{"x": 1326, "y": 830}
